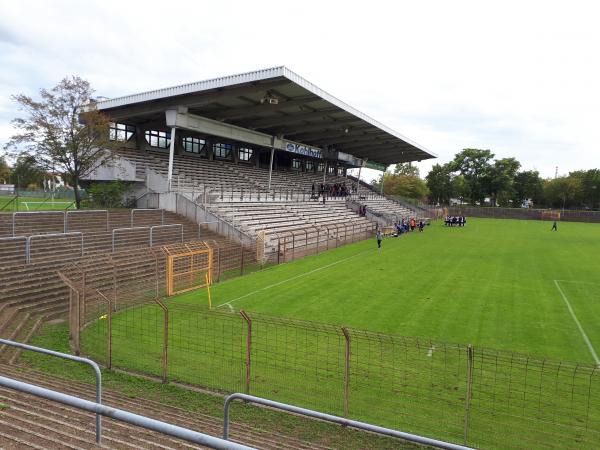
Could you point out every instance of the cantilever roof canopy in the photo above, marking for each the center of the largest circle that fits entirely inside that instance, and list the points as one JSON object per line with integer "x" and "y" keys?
{"x": 277, "y": 102}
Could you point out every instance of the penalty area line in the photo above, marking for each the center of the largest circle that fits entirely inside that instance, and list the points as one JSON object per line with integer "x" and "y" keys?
{"x": 279, "y": 283}
{"x": 581, "y": 330}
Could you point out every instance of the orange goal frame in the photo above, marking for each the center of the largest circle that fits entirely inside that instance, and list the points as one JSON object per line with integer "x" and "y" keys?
{"x": 189, "y": 267}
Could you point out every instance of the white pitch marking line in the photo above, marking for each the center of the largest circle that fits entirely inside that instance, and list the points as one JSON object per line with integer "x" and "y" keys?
{"x": 581, "y": 330}
{"x": 290, "y": 279}
{"x": 578, "y": 282}
{"x": 430, "y": 352}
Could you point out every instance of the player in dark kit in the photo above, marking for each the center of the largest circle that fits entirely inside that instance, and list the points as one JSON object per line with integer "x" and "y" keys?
{"x": 554, "y": 227}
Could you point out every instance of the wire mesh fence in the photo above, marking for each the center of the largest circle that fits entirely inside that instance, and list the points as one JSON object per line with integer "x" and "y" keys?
{"x": 525, "y": 213}
{"x": 460, "y": 393}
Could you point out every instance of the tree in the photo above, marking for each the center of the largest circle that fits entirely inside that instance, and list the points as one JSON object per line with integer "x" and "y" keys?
{"x": 26, "y": 172}
{"x": 403, "y": 185}
{"x": 460, "y": 188}
{"x": 563, "y": 192}
{"x": 501, "y": 179}
{"x": 474, "y": 165}
{"x": 439, "y": 182}
{"x": 4, "y": 171}
{"x": 60, "y": 134}
{"x": 406, "y": 169}
{"x": 528, "y": 185}
{"x": 590, "y": 186}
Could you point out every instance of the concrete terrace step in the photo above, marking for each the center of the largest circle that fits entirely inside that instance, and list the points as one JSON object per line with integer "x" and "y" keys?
{"x": 197, "y": 421}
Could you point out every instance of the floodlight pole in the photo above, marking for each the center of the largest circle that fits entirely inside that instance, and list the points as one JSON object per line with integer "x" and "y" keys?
{"x": 171, "y": 154}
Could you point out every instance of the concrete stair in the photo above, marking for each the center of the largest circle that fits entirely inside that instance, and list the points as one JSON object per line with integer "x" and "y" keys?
{"x": 29, "y": 422}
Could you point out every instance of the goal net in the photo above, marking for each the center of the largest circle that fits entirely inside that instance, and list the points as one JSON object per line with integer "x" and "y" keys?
{"x": 551, "y": 215}
{"x": 189, "y": 267}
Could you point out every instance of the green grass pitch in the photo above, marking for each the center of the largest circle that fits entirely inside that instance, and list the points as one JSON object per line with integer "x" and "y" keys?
{"x": 491, "y": 283}
{"x": 497, "y": 284}
{"x": 7, "y": 204}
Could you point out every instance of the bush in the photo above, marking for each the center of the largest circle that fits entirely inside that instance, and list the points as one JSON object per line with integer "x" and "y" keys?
{"x": 108, "y": 195}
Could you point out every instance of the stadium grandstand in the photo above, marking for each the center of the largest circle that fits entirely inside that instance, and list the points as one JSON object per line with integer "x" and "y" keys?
{"x": 254, "y": 165}
{"x": 269, "y": 139}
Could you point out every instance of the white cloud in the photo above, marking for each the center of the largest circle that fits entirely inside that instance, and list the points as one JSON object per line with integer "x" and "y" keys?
{"x": 519, "y": 78}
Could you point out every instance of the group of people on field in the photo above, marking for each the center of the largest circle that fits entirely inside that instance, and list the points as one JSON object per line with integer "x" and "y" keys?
{"x": 451, "y": 221}
{"x": 402, "y": 227}
{"x": 406, "y": 226}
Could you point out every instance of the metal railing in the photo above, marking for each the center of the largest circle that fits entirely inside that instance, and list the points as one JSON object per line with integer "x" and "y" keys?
{"x": 334, "y": 419}
{"x": 122, "y": 415}
{"x": 86, "y": 212}
{"x": 150, "y": 230}
{"x": 64, "y": 215}
{"x": 66, "y": 356}
{"x": 162, "y": 227}
{"x": 162, "y": 217}
{"x": 50, "y": 235}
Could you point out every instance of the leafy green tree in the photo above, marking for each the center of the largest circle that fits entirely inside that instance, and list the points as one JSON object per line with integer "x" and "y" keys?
{"x": 27, "y": 172}
{"x": 501, "y": 179}
{"x": 528, "y": 185}
{"x": 404, "y": 186}
{"x": 460, "y": 187}
{"x": 108, "y": 195}
{"x": 563, "y": 192}
{"x": 4, "y": 171}
{"x": 474, "y": 165}
{"x": 406, "y": 169}
{"x": 590, "y": 186}
{"x": 439, "y": 182}
{"x": 60, "y": 134}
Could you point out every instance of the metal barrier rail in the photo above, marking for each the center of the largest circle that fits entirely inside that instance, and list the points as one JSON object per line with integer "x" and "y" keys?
{"x": 162, "y": 214}
{"x": 40, "y": 236}
{"x": 122, "y": 415}
{"x": 164, "y": 226}
{"x": 114, "y": 231}
{"x": 335, "y": 419}
{"x": 86, "y": 211}
{"x": 15, "y": 214}
{"x": 89, "y": 362}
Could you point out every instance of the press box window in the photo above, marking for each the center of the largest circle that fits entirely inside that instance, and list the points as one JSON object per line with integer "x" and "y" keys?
{"x": 120, "y": 132}
{"x": 193, "y": 145}
{"x": 160, "y": 139}
{"x": 244, "y": 154}
{"x": 222, "y": 150}
{"x": 310, "y": 166}
{"x": 321, "y": 167}
{"x": 296, "y": 164}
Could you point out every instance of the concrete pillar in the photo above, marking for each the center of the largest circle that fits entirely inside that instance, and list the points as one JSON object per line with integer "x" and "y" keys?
{"x": 171, "y": 155}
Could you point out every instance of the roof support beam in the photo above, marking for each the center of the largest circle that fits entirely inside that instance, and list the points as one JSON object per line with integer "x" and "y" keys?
{"x": 204, "y": 125}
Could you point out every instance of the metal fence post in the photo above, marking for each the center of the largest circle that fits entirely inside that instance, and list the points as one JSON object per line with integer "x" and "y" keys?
{"x": 346, "y": 370}
{"x": 248, "y": 349}
{"x": 469, "y": 392}
{"x": 278, "y": 249}
{"x": 165, "y": 353}
{"x": 242, "y": 259}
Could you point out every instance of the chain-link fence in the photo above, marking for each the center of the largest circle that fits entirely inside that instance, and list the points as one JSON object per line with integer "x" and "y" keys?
{"x": 461, "y": 393}
{"x": 566, "y": 215}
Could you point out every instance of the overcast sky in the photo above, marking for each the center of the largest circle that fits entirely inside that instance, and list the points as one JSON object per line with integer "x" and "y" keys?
{"x": 519, "y": 78}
